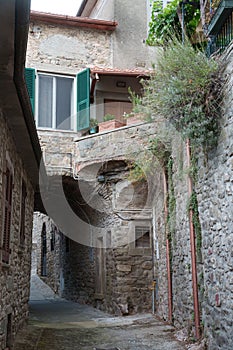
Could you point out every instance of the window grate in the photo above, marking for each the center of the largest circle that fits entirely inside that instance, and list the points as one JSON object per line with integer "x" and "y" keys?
{"x": 142, "y": 236}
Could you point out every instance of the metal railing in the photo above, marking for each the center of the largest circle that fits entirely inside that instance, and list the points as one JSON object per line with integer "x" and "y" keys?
{"x": 221, "y": 38}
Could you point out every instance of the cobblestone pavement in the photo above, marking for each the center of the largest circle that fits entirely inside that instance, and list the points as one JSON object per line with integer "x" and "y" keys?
{"x": 57, "y": 324}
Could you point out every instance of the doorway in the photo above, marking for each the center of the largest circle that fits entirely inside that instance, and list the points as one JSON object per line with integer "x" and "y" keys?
{"x": 43, "y": 251}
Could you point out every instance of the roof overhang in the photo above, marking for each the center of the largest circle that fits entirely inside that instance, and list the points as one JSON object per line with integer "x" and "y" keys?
{"x": 136, "y": 73}
{"x": 14, "y": 99}
{"x": 223, "y": 11}
{"x": 71, "y": 21}
{"x": 113, "y": 72}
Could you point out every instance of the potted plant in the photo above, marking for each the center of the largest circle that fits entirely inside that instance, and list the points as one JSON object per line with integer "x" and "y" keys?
{"x": 108, "y": 116}
{"x": 93, "y": 129}
{"x": 110, "y": 122}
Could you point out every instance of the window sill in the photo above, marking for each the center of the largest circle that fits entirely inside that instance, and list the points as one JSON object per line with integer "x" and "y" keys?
{"x": 41, "y": 128}
{"x": 140, "y": 251}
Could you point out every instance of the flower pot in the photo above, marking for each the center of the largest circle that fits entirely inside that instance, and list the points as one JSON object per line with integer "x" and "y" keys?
{"x": 110, "y": 125}
{"x": 134, "y": 120}
{"x": 93, "y": 130}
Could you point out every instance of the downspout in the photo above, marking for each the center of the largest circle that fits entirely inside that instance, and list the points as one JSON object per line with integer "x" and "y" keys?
{"x": 193, "y": 250}
{"x": 168, "y": 254}
{"x": 154, "y": 247}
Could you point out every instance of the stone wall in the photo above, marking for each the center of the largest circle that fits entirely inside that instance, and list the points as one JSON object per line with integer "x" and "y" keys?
{"x": 116, "y": 206}
{"x": 56, "y": 48}
{"x": 15, "y": 276}
{"x": 52, "y": 271}
{"x": 79, "y": 273}
{"x": 58, "y": 151}
{"x": 179, "y": 243}
{"x": 89, "y": 154}
{"x": 214, "y": 260}
{"x": 215, "y": 209}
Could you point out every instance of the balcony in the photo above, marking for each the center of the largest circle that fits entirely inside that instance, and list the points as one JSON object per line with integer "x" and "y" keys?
{"x": 220, "y": 29}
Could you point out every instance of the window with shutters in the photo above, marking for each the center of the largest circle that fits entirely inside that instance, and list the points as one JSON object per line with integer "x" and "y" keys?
{"x": 7, "y": 208}
{"x": 30, "y": 82}
{"x": 55, "y": 102}
{"x": 22, "y": 214}
{"x": 60, "y": 102}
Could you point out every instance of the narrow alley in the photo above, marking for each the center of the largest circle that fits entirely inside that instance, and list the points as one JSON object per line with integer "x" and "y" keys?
{"x": 55, "y": 323}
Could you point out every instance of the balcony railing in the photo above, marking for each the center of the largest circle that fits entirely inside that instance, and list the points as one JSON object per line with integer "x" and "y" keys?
{"x": 220, "y": 30}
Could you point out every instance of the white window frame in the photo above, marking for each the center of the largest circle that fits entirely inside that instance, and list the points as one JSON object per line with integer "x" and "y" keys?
{"x": 73, "y": 115}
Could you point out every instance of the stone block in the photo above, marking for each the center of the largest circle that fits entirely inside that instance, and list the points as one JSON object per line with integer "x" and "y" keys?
{"x": 124, "y": 268}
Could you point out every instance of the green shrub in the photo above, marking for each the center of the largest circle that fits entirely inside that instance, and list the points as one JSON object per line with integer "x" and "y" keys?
{"x": 186, "y": 90}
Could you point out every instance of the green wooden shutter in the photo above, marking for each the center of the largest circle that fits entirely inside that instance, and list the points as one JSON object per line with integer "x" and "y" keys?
{"x": 83, "y": 99}
{"x": 30, "y": 82}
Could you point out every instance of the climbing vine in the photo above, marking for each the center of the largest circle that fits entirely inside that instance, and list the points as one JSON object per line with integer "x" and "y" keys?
{"x": 171, "y": 217}
{"x": 193, "y": 205}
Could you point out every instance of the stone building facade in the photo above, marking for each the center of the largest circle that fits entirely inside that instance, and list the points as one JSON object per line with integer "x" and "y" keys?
{"x": 19, "y": 164}
{"x": 15, "y": 270}
{"x": 215, "y": 209}
{"x": 100, "y": 263}
{"x": 111, "y": 270}
{"x": 92, "y": 271}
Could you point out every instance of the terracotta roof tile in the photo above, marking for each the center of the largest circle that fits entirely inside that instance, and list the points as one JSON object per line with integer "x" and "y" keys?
{"x": 118, "y": 71}
{"x": 73, "y": 21}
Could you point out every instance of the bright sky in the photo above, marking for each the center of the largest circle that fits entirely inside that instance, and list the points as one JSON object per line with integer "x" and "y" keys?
{"x": 64, "y": 7}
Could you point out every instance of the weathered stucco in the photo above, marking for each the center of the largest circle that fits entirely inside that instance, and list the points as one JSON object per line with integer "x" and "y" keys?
{"x": 59, "y": 49}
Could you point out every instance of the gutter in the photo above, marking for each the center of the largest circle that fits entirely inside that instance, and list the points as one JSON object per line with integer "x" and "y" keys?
{"x": 21, "y": 32}
{"x": 73, "y": 21}
{"x": 22, "y": 13}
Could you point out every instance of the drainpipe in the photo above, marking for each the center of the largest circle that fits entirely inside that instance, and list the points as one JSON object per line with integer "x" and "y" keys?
{"x": 193, "y": 250}
{"x": 154, "y": 248}
{"x": 168, "y": 254}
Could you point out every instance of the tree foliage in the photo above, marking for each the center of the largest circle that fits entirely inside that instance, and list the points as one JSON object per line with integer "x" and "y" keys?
{"x": 169, "y": 19}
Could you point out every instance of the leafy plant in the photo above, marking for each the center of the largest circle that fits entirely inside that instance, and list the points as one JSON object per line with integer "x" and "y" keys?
{"x": 186, "y": 90}
{"x": 171, "y": 218}
{"x": 109, "y": 116}
{"x": 193, "y": 205}
{"x": 161, "y": 149}
{"x": 167, "y": 20}
{"x": 93, "y": 123}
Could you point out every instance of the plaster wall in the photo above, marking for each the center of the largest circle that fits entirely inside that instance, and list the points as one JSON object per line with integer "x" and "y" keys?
{"x": 129, "y": 47}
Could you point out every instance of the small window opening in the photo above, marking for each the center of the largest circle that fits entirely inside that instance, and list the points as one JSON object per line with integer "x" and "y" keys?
{"x": 142, "y": 237}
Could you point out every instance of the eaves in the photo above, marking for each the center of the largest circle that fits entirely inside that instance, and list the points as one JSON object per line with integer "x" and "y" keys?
{"x": 71, "y": 21}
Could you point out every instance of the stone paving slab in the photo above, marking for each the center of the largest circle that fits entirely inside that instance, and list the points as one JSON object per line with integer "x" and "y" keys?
{"x": 58, "y": 324}
{"x": 136, "y": 336}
